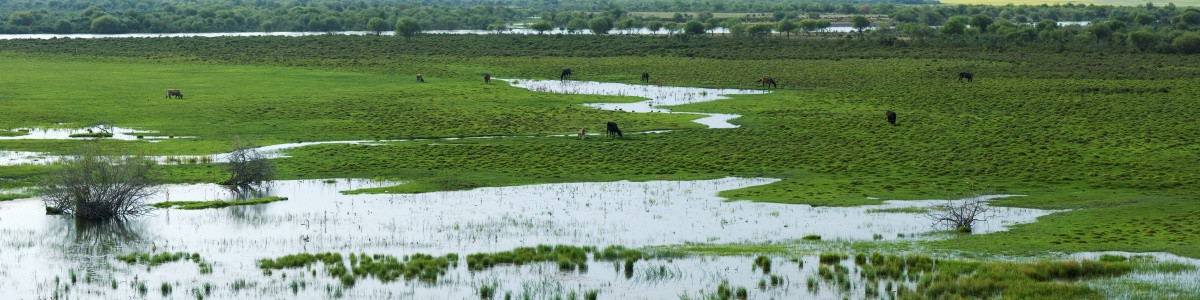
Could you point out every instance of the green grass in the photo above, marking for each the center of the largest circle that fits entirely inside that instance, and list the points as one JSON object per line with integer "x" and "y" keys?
{"x": 904, "y": 210}
{"x": 11, "y": 196}
{"x": 1109, "y": 135}
{"x": 216, "y": 203}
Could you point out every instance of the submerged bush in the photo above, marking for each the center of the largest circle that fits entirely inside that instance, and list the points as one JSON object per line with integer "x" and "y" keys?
{"x": 247, "y": 166}
{"x": 92, "y": 186}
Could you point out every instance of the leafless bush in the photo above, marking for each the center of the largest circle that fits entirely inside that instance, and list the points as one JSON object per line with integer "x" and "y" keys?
{"x": 247, "y": 166}
{"x": 92, "y": 186}
{"x": 960, "y": 215}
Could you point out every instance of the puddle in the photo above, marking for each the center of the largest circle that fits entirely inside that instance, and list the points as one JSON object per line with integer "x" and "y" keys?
{"x": 632, "y": 214}
{"x": 658, "y": 95}
{"x": 12, "y": 158}
{"x": 118, "y": 133}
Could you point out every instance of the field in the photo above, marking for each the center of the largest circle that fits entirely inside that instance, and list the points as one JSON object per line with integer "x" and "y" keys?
{"x": 1108, "y": 140}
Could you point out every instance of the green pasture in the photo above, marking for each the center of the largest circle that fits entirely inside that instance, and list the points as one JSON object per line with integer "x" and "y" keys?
{"x": 1109, "y": 138}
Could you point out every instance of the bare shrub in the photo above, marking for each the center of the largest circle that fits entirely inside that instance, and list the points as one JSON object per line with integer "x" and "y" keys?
{"x": 93, "y": 186}
{"x": 247, "y": 166}
{"x": 960, "y": 215}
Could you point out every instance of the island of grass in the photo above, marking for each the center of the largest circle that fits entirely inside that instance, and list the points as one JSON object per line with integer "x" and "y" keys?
{"x": 92, "y": 135}
{"x": 216, "y": 203}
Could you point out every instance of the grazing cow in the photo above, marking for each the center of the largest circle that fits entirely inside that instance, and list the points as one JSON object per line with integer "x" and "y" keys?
{"x": 645, "y": 77}
{"x": 966, "y": 75}
{"x": 420, "y": 79}
{"x": 566, "y": 73}
{"x": 582, "y": 133}
{"x": 174, "y": 93}
{"x": 487, "y": 78}
{"x": 891, "y": 117}
{"x": 613, "y": 130}
{"x": 767, "y": 81}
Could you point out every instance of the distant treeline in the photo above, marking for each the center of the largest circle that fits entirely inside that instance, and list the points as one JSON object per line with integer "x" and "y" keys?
{"x": 1166, "y": 28}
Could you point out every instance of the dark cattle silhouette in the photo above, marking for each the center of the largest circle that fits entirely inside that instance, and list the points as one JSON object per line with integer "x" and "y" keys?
{"x": 420, "y": 79}
{"x": 645, "y": 77}
{"x": 966, "y": 75}
{"x": 487, "y": 78}
{"x": 612, "y": 129}
{"x": 891, "y": 116}
{"x": 767, "y": 81}
{"x": 566, "y": 73}
{"x": 174, "y": 93}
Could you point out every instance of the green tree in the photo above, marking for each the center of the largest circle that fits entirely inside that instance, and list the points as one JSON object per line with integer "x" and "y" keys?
{"x": 981, "y": 21}
{"x": 955, "y": 25}
{"x": 378, "y": 25}
{"x": 759, "y": 30}
{"x": 860, "y": 22}
{"x": 1190, "y": 17}
{"x": 407, "y": 27}
{"x": 1187, "y": 43}
{"x": 576, "y": 24}
{"x": 601, "y": 25}
{"x": 63, "y": 27}
{"x": 654, "y": 26}
{"x": 1143, "y": 40}
{"x": 542, "y": 26}
{"x": 787, "y": 26}
{"x": 693, "y": 27}
{"x": 107, "y": 24}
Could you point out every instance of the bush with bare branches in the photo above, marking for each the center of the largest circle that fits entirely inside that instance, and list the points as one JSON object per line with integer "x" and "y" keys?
{"x": 247, "y": 166}
{"x": 960, "y": 215}
{"x": 93, "y": 186}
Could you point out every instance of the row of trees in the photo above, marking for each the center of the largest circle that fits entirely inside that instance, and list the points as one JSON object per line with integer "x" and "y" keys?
{"x": 161, "y": 16}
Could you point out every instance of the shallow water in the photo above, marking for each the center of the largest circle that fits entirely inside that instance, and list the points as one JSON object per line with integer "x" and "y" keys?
{"x": 1183, "y": 284}
{"x": 625, "y": 213}
{"x": 118, "y": 133}
{"x": 657, "y": 95}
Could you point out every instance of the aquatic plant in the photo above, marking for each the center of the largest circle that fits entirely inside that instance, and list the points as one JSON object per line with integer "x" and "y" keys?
{"x": 764, "y": 263}
{"x": 831, "y": 258}
{"x": 811, "y": 237}
{"x": 567, "y": 257}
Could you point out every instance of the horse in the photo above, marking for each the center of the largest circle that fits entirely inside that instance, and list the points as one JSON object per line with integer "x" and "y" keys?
{"x": 645, "y": 77}
{"x": 891, "y": 117}
{"x": 612, "y": 129}
{"x": 174, "y": 93}
{"x": 420, "y": 79}
{"x": 767, "y": 81}
{"x": 566, "y": 73}
{"x": 966, "y": 75}
{"x": 582, "y": 133}
{"x": 487, "y": 78}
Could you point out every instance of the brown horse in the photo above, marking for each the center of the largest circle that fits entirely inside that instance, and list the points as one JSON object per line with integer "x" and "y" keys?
{"x": 891, "y": 117}
{"x": 767, "y": 81}
{"x": 174, "y": 93}
{"x": 645, "y": 77}
{"x": 487, "y": 78}
{"x": 420, "y": 79}
{"x": 966, "y": 75}
{"x": 582, "y": 133}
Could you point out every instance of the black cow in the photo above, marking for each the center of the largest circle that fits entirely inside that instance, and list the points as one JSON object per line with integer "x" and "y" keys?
{"x": 612, "y": 129}
{"x": 420, "y": 79}
{"x": 645, "y": 77}
{"x": 487, "y": 78}
{"x": 891, "y": 117}
{"x": 566, "y": 73}
{"x": 174, "y": 93}
{"x": 966, "y": 75}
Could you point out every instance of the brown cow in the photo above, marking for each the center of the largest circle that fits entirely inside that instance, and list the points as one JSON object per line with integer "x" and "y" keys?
{"x": 174, "y": 93}
{"x": 767, "y": 81}
{"x": 582, "y": 133}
